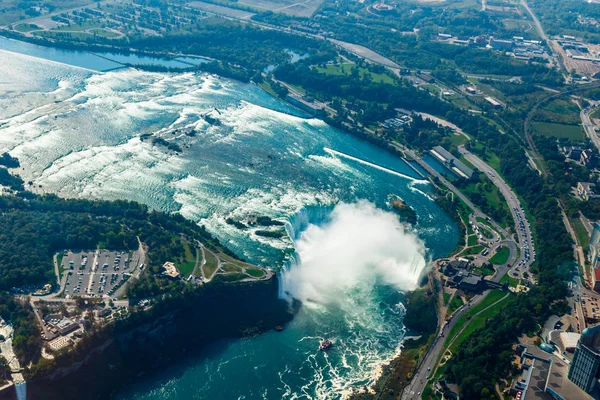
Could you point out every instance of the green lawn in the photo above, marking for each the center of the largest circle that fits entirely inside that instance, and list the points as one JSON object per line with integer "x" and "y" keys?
{"x": 476, "y": 323}
{"x": 491, "y": 298}
{"x": 472, "y": 240}
{"x": 458, "y": 140}
{"x": 570, "y": 132}
{"x": 346, "y": 69}
{"x": 26, "y": 27}
{"x": 501, "y": 256}
{"x": 267, "y": 87}
{"x": 582, "y": 235}
{"x": 230, "y": 268}
{"x": 512, "y": 282}
{"x": 211, "y": 264}
{"x": 186, "y": 264}
{"x": 186, "y": 268}
{"x": 472, "y": 251}
{"x": 455, "y": 303}
{"x": 59, "y": 258}
{"x": 446, "y": 297}
{"x": 255, "y": 272}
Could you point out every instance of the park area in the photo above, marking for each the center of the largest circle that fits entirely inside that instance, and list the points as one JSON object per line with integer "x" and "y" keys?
{"x": 573, "y": 133}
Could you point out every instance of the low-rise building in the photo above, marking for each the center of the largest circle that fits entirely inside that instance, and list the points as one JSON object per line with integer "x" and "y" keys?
{"x": 587, "y": 190}
{"x": 64, "y": 326}
{"x": 591, "y": 309}
{"x": 499, "y": 44}
{"x": 171, "y": 270}
{"x": 589, "y": 158}
{"x": 495, "y": 103}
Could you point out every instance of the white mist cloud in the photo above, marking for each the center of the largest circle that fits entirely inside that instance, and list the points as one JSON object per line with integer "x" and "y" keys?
{"x": 360, "y": 245}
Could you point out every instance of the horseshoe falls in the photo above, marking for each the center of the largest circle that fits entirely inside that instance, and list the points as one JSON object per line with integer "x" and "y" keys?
{"x": 82, "y": 133}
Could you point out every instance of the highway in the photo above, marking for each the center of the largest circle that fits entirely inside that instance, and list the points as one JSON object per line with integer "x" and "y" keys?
{"x": 522, "y": 226}
{"x": 429, "y": 363}
{"x": 588, "y": 126}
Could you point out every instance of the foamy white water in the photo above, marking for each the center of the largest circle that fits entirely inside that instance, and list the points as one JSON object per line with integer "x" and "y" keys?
{"x": 80, "y": 134}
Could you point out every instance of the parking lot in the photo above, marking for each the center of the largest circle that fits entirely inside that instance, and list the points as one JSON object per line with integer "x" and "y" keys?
{"x": 97, "y": 273}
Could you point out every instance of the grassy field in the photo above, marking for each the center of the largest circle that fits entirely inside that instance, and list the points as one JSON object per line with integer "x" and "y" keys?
{"x": 446, "y": 297}
{"x": 490, "y": 299}
{"x": 512, "y": 282}
{"x": 571, "y": 132}
{"x": 479, "y": 320}
{"x": 457, "y": 140}
{"x": 346, "y": 69}
{"x": 26, "y": 27}
{"x": 472, "y": 251}
{"x": 231, "y": 268}
{"x": 211, "y": 264}
{"x": 472, "y": 240}
{"x": 455, "y": 303}
{"x": 582, "y": 235}
{"x": 186, "y": 265}
{"x": 255, "y": 272}
{"x": 501, "y": 256}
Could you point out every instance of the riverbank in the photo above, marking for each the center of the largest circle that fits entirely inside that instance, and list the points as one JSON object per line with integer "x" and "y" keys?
{"x": 421, "y": 320}
{"x": 170, "y": 335}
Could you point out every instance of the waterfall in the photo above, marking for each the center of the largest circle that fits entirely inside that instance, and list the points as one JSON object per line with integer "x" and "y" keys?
{"x": 348, "y": 248}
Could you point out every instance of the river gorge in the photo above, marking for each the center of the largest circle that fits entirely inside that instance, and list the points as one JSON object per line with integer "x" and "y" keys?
{"x": 80, "y": 131}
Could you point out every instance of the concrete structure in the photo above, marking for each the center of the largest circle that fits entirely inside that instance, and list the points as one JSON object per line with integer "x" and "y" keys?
{"x": 586, "y": 190}
{"x": 495, "y": 103}
{"x": 596, "y": 279}
{"x": 498, "y": 44}
{"x": 59, "y": 343}
{"x": 544, "y": 377}
{"x": 585, "y": 367}
{"x": 451, "y": 162}
{"x": 569, "y": 341}
{"x": 64, "y": 326}
{"x": 307, "y": 104}
{"x": 171, "y": 270}
{"x": 591, "y": 309}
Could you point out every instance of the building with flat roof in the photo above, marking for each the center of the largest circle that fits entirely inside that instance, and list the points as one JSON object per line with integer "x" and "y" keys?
{"x": 544, "y": 377}
{"x": 452, "y": 163}
{"x": 499, "y": 44}
{"x": 495, "y": 103}
{"x": 591, "y": 309}
{"x": 64, "y": 326}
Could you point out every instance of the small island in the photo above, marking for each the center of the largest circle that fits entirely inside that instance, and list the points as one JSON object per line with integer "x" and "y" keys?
{"x": 404, "y": 211}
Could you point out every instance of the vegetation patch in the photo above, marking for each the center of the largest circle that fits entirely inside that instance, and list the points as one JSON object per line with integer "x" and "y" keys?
{"x": 501, "y": 256}
{"x": 573, "y": 133}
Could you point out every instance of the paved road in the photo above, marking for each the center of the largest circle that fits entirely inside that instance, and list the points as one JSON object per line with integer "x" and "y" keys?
{"x": 421, "y": 376}
{"x": 476, "y": 211}
{"x": 589, "y": 127}
{"x": 522, "y": 226}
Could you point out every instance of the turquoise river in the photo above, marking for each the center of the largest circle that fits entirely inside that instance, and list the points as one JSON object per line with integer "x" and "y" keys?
{"x": 76, "y": 122}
